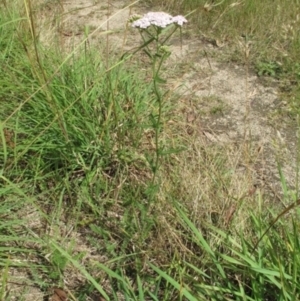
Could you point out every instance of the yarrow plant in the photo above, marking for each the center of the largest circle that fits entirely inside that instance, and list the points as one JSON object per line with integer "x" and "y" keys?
{"x": 151, "y": 27}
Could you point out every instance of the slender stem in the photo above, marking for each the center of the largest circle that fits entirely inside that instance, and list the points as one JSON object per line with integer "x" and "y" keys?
{"x": 158, "y": 120}
{"x": 156, "y": 68}
{"x": 169, "y": 36}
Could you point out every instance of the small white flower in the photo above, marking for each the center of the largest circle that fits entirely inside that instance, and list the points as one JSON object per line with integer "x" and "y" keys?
{"x": 158, "y": 19}
{"x": 179, "y": 20}
{"x": 141, "y": 23}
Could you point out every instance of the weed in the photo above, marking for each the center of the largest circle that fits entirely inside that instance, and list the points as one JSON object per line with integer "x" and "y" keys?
{"x": 268, "y": 68}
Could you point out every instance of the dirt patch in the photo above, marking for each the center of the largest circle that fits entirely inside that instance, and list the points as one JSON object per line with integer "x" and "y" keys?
{"x": 236, "y": 108}
{"x": 76, "y": 20}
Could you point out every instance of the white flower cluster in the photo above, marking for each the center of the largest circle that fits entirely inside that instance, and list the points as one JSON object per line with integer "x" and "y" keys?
{"x": 158, "y": 19}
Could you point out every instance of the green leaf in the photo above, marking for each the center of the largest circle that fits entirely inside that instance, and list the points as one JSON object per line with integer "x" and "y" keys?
{"x": 183, "y": 291}
{"x": 160, "y": 80}
{"x": 140, "y": 288}
{"x": 81, "y": 269}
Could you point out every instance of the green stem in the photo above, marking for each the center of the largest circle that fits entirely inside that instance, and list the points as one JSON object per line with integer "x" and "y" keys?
{"x": 155, "y": 74}
{"x": 169, "y": 36}
{"x": 158, "y": 120}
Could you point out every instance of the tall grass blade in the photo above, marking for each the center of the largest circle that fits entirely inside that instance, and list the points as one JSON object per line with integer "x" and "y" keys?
{"x": 81, "y": 269}
{"x": 182, "y": 290}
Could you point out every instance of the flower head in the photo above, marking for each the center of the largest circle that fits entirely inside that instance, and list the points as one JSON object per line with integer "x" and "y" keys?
{"x": 179, "y": 20}
{"x": 158, "y": 19}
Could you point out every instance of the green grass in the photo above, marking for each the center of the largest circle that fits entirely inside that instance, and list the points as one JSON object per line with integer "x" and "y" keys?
{"x": 78, "y": 205}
